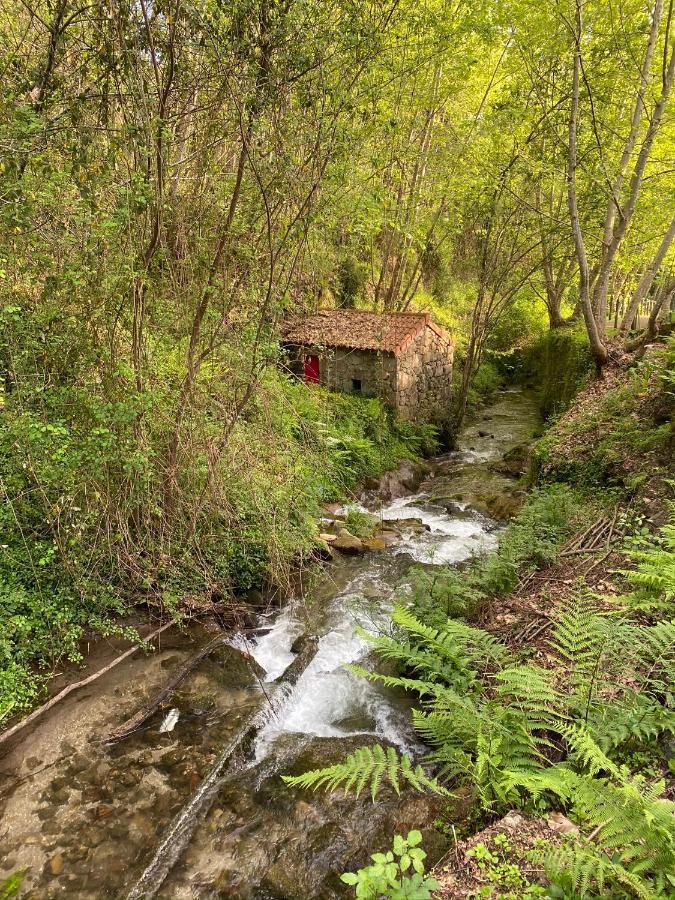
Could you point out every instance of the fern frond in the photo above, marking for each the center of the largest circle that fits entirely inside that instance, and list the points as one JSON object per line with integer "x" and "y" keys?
{"x": 587, "y": 750}
{"x": 368, "y": 766}
{"x": 456, "y": 642}
{"x": 533, "y": 691}
{"x": 423, "y": 688}
{"x": 592, "y": 872}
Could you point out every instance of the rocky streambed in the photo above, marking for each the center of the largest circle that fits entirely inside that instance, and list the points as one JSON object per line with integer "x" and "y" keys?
{"x": 193, "y": 805}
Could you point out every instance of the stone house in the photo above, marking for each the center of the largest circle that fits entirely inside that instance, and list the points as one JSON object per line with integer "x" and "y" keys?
{"x": 403, "y": 358}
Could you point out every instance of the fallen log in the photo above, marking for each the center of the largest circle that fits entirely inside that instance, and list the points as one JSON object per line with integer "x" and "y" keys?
{"x": 145, "y": 712}
{"x": 10, "y": 732}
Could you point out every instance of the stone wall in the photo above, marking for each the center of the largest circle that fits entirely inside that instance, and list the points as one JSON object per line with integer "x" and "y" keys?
{"x": 340, "y": 368}
{"x": 424, "y": 378}
{"x": 417, "y": 383}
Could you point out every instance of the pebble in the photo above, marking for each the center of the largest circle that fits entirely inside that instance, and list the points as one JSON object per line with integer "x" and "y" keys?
{"x": 56, "y": 864}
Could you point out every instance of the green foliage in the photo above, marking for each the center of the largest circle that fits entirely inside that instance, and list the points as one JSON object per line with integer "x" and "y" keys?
{"x": 530, "y": 541}
{"x": 611, "y": 439}
{"x": 521, "y": 734}
{"x": 654, "y": 572}
{"x": 560, "y": 363}
{"x": 505, "y": 879}
{"x": 359, "y": 522}
{"x": 388, "y": 878}
{"x": 368, "y": 766}
{"x": 11, "y": 886}
{"x": 66, "y": 478}
{"x": 351, "y": 279}
{"x": 486, "y": 381}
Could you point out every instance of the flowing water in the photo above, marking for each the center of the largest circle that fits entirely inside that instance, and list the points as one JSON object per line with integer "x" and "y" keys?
{"x": 193, "y": 805}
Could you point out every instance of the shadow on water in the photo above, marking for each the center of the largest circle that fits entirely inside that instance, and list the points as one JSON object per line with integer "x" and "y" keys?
{"x": 193, "y": 806}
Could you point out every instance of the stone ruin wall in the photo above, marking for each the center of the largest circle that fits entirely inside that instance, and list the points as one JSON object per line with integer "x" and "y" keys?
{"x": 376, "y": 372}
{"x": 424, "y": 382}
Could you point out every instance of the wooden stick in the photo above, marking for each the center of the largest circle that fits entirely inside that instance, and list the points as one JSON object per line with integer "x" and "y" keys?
{"x": 134, "y": 722}
{"x": 10, "y": 732}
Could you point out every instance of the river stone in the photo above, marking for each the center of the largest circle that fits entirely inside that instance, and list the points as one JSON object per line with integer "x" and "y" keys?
{"x": 347, "y": 543}
{"x": 411, "y": 524}
{"x": 375, "y": 543}
{"x": 561, "y": 825}
{"x": 388, "y": 536}
{"x": 56, "y": 864}
{"x": 327, "y": 538}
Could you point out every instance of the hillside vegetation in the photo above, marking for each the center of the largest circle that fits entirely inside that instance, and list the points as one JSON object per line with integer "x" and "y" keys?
{"x": 544, "y": 671}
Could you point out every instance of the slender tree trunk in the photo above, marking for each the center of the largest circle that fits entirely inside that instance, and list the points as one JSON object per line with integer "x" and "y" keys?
{"x": 661, "y": 306}
{"x": 613, "y": 205}
{"x": 626, "y": 214}
{"x": 598, "y": 348}
{"x": 647, "y": 279}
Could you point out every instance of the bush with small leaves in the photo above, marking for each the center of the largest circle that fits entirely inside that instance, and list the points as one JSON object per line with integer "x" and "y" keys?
{"x": 397, "y": 874}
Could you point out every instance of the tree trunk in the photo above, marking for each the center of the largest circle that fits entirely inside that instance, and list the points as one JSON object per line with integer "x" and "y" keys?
{"x": 598, "y": 349}
{"x": 647, "y": 279}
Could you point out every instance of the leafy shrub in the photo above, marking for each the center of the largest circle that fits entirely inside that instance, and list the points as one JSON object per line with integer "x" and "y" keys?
{"x": 387, "y": 876}
{"x": 84, "y": 522}
{"x": 654, "y": 572}
{"x": 530, "y": 541}
{"x": 485, "y": 382}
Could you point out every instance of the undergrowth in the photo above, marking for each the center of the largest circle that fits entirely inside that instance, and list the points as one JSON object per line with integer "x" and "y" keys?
{"x": 83, "y": 528}
{"x": 529, "y": 542}
{"x": 581, "y": 726}
{"x": 539, "y": 738}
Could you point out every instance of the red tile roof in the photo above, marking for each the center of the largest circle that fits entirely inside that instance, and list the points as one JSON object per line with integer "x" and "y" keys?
{"x": 359, "y": 329}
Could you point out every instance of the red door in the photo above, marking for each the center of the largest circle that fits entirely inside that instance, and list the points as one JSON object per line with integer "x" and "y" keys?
{"x": 311, "y": 370}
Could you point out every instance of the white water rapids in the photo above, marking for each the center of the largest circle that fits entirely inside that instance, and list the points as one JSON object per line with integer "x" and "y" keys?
{"x": 328, "y": 700}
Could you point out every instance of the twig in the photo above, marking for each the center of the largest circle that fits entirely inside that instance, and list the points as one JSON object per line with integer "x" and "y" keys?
{"x": 132, "y": 724}
{"x": 10, "y": 732}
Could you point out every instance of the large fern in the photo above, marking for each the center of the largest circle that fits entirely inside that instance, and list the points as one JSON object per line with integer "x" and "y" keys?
{"x": 368, "y": 766}
{"x": 516, "y": 731}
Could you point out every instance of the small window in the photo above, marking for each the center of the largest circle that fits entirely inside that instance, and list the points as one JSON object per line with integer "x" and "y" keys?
{"x": 356, "y": 385}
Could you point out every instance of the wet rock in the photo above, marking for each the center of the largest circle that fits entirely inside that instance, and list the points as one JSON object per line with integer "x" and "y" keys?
{"x": 107, "y": 861}
{"x": 119, "y": 830}
{"x": 128, "y": 779}
{"x": 327, "y": 538}
{"x": 357, "y": 723}
{"x": 348, "y": 543}
{"x": 95, "y": 836}
{"x": 404, "y": 480}
{"x": 375, "y": 544}
{"x": 78, "y": 763}
{"x": 331, "y": 509}
{"x": 411, "y": 525}
{"x": 388, "y": 536}
{"x": 141, "y": 830}
{"x": 60, "y": 797}
{"x": 515, "y": 463}
{"x": 171, "y": 759}
{"x": 56, "y": 864}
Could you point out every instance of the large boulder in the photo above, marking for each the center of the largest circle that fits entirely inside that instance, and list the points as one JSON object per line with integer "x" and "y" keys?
{"x": 348, "y": 543}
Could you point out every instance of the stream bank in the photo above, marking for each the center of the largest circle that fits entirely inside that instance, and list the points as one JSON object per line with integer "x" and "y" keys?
{"x": 86, "y": 820}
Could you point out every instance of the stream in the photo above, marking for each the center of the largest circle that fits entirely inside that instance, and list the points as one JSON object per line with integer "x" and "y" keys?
{"x": 193, "y": 804}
